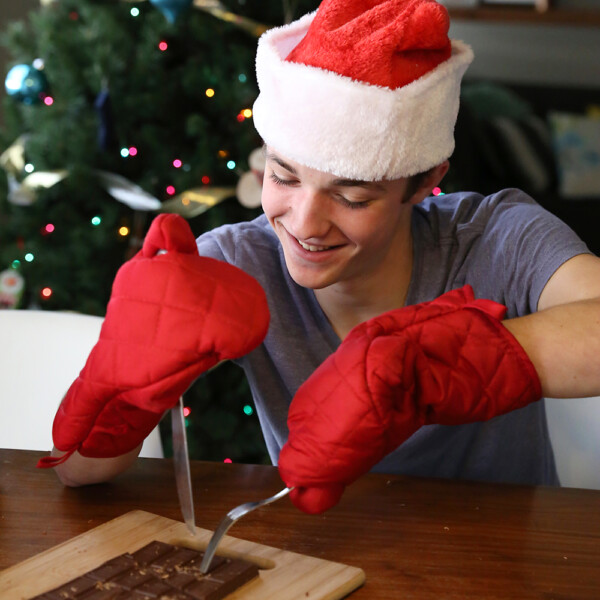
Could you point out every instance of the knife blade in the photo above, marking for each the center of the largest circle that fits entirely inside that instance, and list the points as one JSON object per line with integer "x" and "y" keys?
{"x": 181, "y": 463}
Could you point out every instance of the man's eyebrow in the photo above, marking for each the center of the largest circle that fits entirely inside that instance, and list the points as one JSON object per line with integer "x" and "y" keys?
{"x": 371, "y": 185}
{"x": 281, "y": 163}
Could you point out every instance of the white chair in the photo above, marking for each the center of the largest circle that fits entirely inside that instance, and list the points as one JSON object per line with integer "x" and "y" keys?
{"x": 574, "y": 426}
{"x": 41, "y": 354}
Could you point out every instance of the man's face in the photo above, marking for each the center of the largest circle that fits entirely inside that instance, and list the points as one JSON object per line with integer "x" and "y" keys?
{"x": 333, "y": 230}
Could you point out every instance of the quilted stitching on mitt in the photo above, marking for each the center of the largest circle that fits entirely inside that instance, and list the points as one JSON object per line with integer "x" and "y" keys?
{"x": 449, "y": 361}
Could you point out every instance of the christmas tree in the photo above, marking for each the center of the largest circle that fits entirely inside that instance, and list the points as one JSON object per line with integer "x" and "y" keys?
{"x": 117, "y": 110}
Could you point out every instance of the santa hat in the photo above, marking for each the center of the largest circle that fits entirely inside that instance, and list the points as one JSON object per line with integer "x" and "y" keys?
{"x": 362, "y": 89}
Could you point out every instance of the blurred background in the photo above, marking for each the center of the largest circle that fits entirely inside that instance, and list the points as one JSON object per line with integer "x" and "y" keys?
{"x": 115, "y": 110}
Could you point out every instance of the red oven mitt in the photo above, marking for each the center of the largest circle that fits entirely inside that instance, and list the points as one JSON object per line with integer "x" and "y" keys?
{"x": 449, "y": 361}
{"x": 172, "y": 315}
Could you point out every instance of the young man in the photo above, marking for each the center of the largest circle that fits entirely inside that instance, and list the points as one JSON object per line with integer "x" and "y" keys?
{"x": 357, "y": 108}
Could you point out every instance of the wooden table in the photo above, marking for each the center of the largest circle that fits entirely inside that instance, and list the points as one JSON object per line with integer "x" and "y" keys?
{"x": 414, "y": 538}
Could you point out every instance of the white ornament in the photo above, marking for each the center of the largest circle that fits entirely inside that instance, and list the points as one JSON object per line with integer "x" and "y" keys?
{"x": 249, "y": 187}
{"x": 11, "y": 288}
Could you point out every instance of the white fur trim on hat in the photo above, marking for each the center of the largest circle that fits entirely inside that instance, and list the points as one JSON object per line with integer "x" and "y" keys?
{"x": 349, "y": 128}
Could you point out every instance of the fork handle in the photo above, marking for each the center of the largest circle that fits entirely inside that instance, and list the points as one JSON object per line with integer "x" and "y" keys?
{"x": 230, "y": 518}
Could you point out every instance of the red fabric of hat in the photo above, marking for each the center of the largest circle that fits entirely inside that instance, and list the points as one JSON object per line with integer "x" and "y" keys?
{"x": 388, "y": 43}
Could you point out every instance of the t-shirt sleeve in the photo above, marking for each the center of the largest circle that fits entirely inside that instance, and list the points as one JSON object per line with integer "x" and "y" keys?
{"x": 522, "y": 245}
{"x": 208, "y": 245}
{"x": 249, "y": 245}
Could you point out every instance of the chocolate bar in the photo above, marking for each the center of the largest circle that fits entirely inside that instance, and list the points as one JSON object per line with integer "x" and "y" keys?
{"x": 158, "y": 570}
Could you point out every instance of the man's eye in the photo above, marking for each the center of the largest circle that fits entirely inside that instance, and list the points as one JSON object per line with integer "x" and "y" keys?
{"x": 280, "y": 181}
{"x": 351, "y": 204}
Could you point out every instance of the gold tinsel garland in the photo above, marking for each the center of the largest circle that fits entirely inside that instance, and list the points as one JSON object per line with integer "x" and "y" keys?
{"x": 190, "y": 203}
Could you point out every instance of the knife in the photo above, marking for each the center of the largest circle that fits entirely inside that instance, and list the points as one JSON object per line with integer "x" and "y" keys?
{"x": 181, "y": 462}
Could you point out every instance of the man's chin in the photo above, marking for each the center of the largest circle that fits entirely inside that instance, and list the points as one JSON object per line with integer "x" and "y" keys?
{"x": 310, "y": 281}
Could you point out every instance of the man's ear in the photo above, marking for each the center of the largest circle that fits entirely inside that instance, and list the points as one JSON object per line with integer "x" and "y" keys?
{"x": 432, "y": 179}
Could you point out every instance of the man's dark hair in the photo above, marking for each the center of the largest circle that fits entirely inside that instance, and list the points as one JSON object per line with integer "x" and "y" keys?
{"x": 414, "y": 182}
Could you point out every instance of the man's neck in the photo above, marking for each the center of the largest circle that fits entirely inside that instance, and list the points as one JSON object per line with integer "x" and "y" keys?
{"x": 347, "y": 304}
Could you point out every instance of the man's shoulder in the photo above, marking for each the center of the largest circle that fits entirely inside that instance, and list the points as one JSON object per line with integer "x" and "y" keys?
{"x": 472, "y": 210}
{"x": 250, "y": 245}
{"x": 247, "y": 238}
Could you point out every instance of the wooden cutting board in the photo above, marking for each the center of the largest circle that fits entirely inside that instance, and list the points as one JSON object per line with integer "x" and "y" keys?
{"x": 283, "y": 575}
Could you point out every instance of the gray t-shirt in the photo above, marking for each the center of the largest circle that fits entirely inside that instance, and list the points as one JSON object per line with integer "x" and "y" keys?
{"x": 505, "y": 246}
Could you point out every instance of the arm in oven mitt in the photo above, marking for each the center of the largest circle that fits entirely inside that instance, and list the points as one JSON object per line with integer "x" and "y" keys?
{"x": 449, "y": 361}
{"x": 172, "y": 315}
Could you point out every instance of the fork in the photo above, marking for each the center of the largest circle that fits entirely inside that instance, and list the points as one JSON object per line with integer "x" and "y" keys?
{"x": 229, "y": 519}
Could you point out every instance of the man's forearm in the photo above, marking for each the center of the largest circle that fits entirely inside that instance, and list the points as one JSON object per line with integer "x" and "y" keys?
{"x": 563, "y": 343}
{"x": 80, "y": 470}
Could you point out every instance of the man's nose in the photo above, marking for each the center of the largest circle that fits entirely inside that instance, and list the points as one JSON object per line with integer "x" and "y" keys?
{"x": 310, "y": 215}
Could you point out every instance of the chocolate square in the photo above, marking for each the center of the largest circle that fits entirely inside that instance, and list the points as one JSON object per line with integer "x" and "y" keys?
{"x": 112, "y": 568}
{"x": 150, "y": 552}
{"x": 74, "y": 589}
{"x": 171, "y": 560}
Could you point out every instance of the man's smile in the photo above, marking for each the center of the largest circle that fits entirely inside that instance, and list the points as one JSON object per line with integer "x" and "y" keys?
{"x": 311, "y": 248}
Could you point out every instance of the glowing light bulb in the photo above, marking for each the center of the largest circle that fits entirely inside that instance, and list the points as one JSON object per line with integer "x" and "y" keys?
{"x": 162, "y": 46}
{"x": 247, "y": 112}
{"x": 242, "y": 78}
{"x": 29, "y": 257}
{"x": 227, "y": 460}
{"x": 230, "y": 164}
{"x": 240, "y": 118}
{"x": 186, "y": 411}
{"x": 177, "y": 163}
{"x": 48, "y": 100}
{"x": 46, "y": 292}
{"x": 170, "y": 190}
{"x": 210, "y": 92}
{"x": 248, "y": 410}
{"x": 123, "y": 231}
{"x": 96, "y": 221}
{"x": 124, "y": 152}
{"x": 134, "y": 12}
{"x": 206, "y": 180}
{"x": 29, "y": 168}
{"x": 133, "y": 151}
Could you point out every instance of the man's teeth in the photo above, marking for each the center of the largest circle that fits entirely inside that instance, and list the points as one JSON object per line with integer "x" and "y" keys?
{"x": 313, "y": 248}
